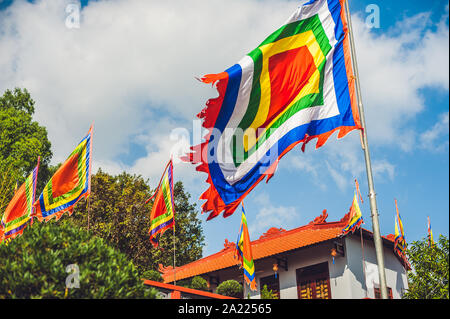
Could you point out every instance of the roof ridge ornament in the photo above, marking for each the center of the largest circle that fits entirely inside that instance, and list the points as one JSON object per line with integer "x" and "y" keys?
{"x": 162, "y": 269}
{"x": 321, "y": 219}
{"x": 228, "y": 244}
{"x": 272, "y": 232}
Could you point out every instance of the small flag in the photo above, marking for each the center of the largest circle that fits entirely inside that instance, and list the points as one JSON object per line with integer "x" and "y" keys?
{"x": 430, "y": 234}
{"x": 20, "y": 208}
{"x": 69, "y": 184}
{"x": 162, "y": 216}
{"x": 355, "y": 219}
{"x": 243, "y": 253}
{"x": 400, "y": 241}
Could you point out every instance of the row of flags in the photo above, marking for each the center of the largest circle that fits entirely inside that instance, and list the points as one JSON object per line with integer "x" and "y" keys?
{"x": 70, "y": 183}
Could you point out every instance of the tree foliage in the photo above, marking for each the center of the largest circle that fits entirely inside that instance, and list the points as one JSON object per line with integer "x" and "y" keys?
{"x": 268, "y": 294}
{"x": 429, "y": 277}
{"x": 152, "y": 275}
{"x": 230, "y": 288}
{"x": 117, "y": 213}
{"x": 34, "y": 265}
{"x": 22, "y": 140}
{"x": 199, "y": 283}
{"x": 8, "y": 179}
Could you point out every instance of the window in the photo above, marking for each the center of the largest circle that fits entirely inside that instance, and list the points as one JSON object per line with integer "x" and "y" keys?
{"x": 313, "y": 282}
{"x": 272, "y": 284}
{"x": 377, "y": 293}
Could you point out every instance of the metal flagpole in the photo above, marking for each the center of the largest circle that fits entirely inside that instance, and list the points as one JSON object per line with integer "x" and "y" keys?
{"x": 372, "y": 194}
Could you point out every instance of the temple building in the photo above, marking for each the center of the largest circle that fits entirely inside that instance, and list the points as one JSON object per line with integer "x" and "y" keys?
{"x": 309, "y": 262}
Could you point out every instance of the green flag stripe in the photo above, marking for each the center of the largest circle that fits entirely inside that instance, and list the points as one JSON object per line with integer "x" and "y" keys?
{"x": 313, "y": 24}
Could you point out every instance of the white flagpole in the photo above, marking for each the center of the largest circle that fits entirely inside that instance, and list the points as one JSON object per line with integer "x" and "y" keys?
{"x": 373, "y": 203}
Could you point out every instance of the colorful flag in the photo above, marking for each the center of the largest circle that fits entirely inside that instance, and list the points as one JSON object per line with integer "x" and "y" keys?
{"x": 162, "y": 216}
{"x": 243, "y": 253}
{"x": 400, "y": 241}
{"x": 297, "y": 85}
{"x": 69, "y": 184}
{"x": 430, "y": 234}
{"x": 355, "y": 218}
{"x": 20, "y": 208}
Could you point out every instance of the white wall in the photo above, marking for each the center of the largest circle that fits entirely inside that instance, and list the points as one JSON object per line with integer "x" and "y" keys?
{"x": 303, "y": 258}
{"x": 395, "y": 273}
{"x": 346, "y": 274}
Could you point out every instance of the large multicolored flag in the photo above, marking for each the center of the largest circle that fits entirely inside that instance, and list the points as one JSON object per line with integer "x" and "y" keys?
{"x": 400, "y": 240}
{"x": 297, "y": 85}
{"x": 19, "y": 210}
{"x": 70, "y": 183}
{"x": 430, "y": 234}
{"x": 243, "y": 253}
{"x": 355, "y": 218}
{"x": 162, "y": 216}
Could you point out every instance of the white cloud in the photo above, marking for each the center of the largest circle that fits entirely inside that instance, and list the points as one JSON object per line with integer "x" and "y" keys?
{"x": 272, "y": 216}
{"x": 394, "y": 67}
{"x": 436, "y": 138}
{"x": 383, "y": 167}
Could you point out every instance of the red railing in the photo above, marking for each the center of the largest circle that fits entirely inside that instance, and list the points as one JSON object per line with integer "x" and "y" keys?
{"x": 177, "y": 291}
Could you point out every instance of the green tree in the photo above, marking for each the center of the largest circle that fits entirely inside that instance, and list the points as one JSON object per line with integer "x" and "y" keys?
{"x": 268, "y": 294}
{"x": 199, "y": 283}
{"x": 8, "y": 179}
{"x": 428, "y": 278}
{"x": 152, "y": 275}
{"x": 230, "y": 288}
{"x": 41, "y": 262}
{"x": 22, "y": 140}
{"x": 117, "y": 213}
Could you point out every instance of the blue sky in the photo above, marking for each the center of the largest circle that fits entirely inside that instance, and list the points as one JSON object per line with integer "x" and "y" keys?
{"x": 130, "y": 67}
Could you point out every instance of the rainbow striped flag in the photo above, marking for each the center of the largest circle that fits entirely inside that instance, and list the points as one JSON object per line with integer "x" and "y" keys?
{"x": 243, "y": 253}
{"x": 297, "y": 85}
{"x": 430, "y": 234}
{"x": 162, "y": 216}
{"x": 69, "y": 184}
{"x": 355, "y": 219}
{"x": 20, "y": 208}
{"x": 400, "y": 241}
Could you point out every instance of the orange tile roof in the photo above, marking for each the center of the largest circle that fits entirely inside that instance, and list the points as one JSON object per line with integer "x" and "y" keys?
{"x": 274, "y": 241}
